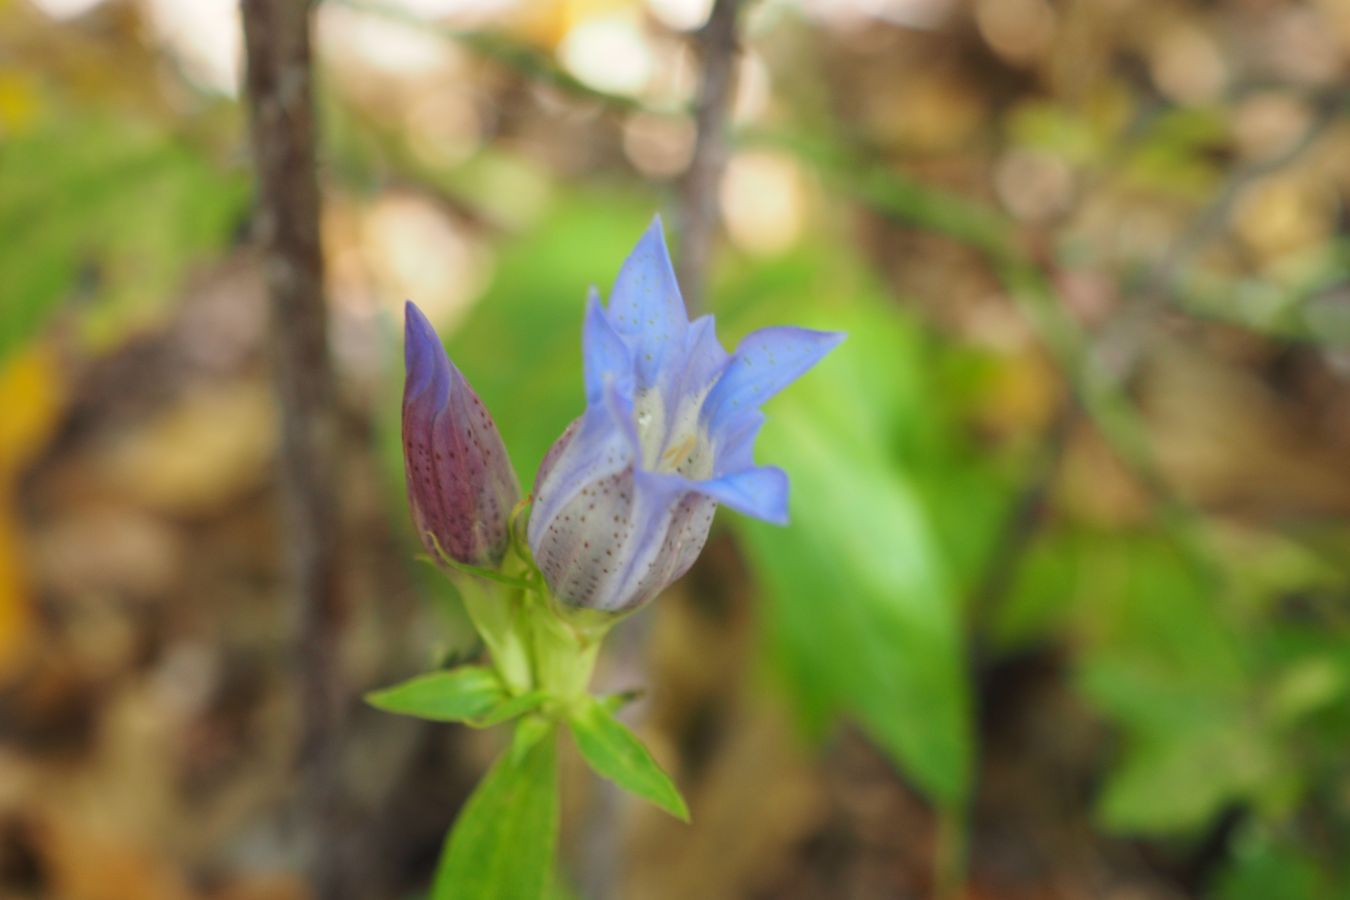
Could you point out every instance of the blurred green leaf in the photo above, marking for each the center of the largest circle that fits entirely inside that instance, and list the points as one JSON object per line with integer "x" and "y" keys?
{"x": 1265, "y": 868}
{"x": 1216, "y": 704}
{"x": 860, "y": 611}
{"x": 106, "y": 210}
{"x": 1050, "y": 127}
{"x": 503, "y": 843}
{"x": 1167, "y": 666}
{"x": 616, "y": 753}
{"x": 1178, "y": 153}
{"x": 1048, "y": 580}
{"x": 1177, "y": 781}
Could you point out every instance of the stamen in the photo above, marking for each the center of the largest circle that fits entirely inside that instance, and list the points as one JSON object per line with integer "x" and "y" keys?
{"x": 679, "y": 451}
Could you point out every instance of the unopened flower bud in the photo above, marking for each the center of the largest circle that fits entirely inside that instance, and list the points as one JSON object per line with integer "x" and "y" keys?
{"x": 461, "y": 486}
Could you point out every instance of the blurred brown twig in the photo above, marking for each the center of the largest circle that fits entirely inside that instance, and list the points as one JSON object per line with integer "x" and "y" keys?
{"x": 697, "y": 217}
{"x": 280, "y": 103}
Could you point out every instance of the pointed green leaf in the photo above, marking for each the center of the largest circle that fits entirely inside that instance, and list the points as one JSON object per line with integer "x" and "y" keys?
{"x": 504, "y": 841}
{"x": 456, "y": 695}
{"x": 616, "y": 753}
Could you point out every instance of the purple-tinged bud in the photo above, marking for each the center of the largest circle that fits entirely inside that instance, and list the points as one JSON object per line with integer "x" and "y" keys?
{"x": 461, "y": 486}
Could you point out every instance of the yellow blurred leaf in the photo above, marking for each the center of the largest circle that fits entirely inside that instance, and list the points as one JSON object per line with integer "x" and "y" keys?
{"x": 925, "y": 112}
{"x": 86, "y": 865}
{"x": 1285, "y": 214}
{"x": 16, "y": 620}
{"x": 547, "y": 23}
{"x": 31, "y": 394}
{"x": 1024, "y": 397}
{"x": 18, "y": 102}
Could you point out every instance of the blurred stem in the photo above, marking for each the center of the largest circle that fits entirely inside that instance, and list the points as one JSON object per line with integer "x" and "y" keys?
{"x": 280, "y": 107}
{"x": 1019, "y": 530}
{"x": 697, "y": 215}
{"x": 950, "y": 851}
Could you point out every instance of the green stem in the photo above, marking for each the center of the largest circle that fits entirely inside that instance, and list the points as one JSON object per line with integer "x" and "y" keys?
{"x": 564, "y": 655}
{"x": 498, "y": 621}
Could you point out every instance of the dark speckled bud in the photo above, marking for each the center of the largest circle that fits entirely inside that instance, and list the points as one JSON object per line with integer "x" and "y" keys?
{"x": 461, "y": 486}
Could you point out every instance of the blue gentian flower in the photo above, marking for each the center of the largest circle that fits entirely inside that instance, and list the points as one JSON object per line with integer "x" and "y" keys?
{"x": 624, "y": 500}
{"x": 461, "y": 486}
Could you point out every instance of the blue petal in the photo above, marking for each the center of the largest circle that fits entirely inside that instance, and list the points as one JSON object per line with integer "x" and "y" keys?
{"x": 688, "y": 375}
{"x": 735, "y": 444}
{"x": 645, "y": 305}
{"x": 607, "y": 358}
{"x": 767, "y": 361}
{"x": 761, "y": 492}
{"x": 704, "y": 359}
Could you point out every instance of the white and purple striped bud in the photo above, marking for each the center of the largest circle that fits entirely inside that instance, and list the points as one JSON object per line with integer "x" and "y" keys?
{"x": 461, "y": 486}
{"x": 622, "y": 536}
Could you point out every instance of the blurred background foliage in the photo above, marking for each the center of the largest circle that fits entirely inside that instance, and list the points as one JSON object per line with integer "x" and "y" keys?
{"x": 1067, "y": 588}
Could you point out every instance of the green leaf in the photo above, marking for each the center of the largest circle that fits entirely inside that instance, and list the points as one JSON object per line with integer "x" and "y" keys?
{"x": 457, "y": 695}
{"x": 1165, "y": 664}
{"x": 1176, "y": 783}
{"x": 105, "y": 208}
{"x": 616, "y": 753}
{"x": 1267, "y": 863}
{"x": 862, "y": 615}
{"x": 504, "y": 841}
